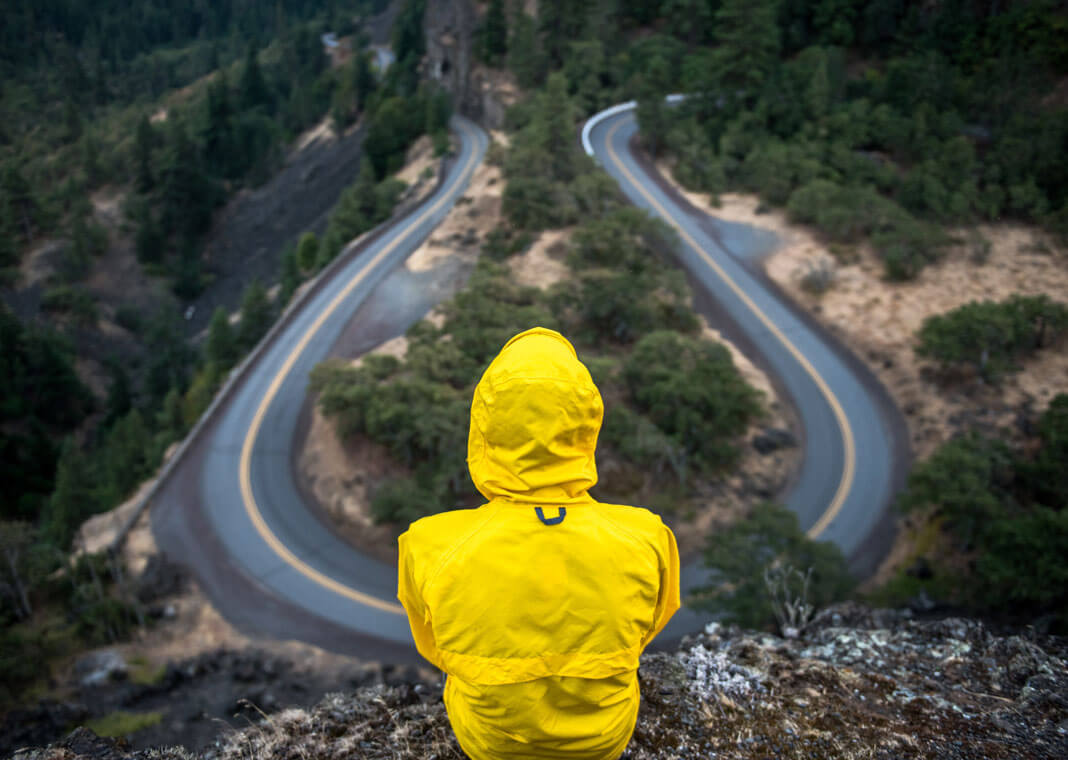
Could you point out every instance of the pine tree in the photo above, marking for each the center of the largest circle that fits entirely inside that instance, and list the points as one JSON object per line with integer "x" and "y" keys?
{"x": 217, "y": 130}
{"x": 747, "y": 35}
{"x": 72, "y": 122}
{"x": 253, "y": 90}
{"x": 363, "y": 80}
{"x": 144, "y": 144}
{"x": 818, "y": 94}
{"x": 127, "y": 457}
{"x": 653, "y": 118}
{"x": 561, "y": 22}
{"x": 221, "y": 346}
{"x": 120, "y": 396}
{"x": 524, "y": 55}
{"x": 408, "y": 42}
{"x": 91, "y": 160}
{"x": 494, "y": 33}
{"x": 20, "y": 203}
{"x": 290, "y": 279}
{"x": 187, "y": 195}
{"x": 169, "y": 420}
{"x": 72, "y": 500}
{"x": 557, "y": 120}
{"x": 255, "y": 315}
{"x": 307, "y": 251}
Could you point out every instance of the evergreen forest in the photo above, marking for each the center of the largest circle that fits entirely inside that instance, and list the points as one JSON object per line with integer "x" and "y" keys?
{"x": 175, "y": 108}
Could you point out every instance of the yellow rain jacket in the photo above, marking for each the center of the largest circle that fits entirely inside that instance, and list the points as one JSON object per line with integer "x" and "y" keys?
{"x": 538, "y": 604}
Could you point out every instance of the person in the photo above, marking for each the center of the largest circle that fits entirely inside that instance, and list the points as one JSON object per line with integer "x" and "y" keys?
{"x": 538, "y": 604}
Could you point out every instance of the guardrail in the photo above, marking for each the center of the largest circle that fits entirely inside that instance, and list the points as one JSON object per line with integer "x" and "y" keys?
{"x": 597, "y": 118}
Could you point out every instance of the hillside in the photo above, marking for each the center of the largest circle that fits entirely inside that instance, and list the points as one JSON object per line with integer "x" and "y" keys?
{"x": 171, "y": 180}
{"x": 858, "y": 683}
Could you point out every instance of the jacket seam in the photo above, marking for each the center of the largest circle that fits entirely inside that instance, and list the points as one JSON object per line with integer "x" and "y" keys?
{"x": 608, "y": 518}
{"x": 613, "y": 653}
{"x": 456, "y": 547}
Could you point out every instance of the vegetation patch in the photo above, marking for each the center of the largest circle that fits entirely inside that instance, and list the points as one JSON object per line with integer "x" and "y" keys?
{"x": 871, "y": 123}
{"x": 991, "y": 337}
{"x": 1006, "y": 509}
{"x": 121, "y": 723}
{"x": 676, "y": 404}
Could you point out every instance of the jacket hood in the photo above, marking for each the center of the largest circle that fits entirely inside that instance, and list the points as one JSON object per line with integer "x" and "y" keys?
{"x": 535, "y": 417}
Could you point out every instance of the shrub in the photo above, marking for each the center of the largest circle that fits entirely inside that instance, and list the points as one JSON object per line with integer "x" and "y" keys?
{"x": 1046, "y": 476}
{"x": 690, "y": 389}
{"x": 989, "y": 336}
{"x": 620, "y": 307}
{"x": 123, "y": 723}
{"x": 405, "y": 501}
{"x": 638, "y": 440}
{"x": 964, "y": 481}
{"x": 769, "y": 539}
{"x": 1022, "y": 562}
{"x": 75, "y": 302}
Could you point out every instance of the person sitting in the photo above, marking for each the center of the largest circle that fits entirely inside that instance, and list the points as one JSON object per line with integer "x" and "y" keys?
{"x": 538, "y": 604}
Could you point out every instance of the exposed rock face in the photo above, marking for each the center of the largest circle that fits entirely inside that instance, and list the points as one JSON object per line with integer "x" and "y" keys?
{"x": 857, "y": 683}
{"x": 449, "y": 27}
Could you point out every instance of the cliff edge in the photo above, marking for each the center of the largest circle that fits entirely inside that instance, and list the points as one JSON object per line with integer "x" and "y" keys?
{"x": 857, "y": 683}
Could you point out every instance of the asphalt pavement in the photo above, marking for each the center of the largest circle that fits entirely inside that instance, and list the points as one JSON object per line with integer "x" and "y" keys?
{"x": 855, "y": 446}
{"x": 231, "y": 509}
{"x": 232, "y": 512}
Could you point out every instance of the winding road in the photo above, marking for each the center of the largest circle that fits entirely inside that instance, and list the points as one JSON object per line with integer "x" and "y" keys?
{"x": 230, "y": 509}
{"x": 855, "y": 444}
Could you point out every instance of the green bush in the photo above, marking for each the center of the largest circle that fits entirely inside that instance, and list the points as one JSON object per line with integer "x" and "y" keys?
{"x": 1007, "y": 511}
{"x": 639, "y": 441}
{"x": 1022, "y": 562}
{"x": 965, "y": 480}
{"x": 404, "y": 501}
{"x": 990, "y": 336}
{"x": 122, "y": 723}
{"x": 1046, "y": 476}
{"x": 691, "y": 390}
{"x": 75, "y": 302}
{"x": 768, "y": 538}
{"x": 774, "y": 169}
{"x": 621, "y": 307}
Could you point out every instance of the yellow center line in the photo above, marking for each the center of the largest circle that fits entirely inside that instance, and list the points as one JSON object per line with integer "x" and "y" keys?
{"x": 247, "y": 496}
{"x": 849, "y": 468}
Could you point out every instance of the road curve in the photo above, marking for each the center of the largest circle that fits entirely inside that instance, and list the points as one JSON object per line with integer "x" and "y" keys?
{"x": 231, "y": 509}
{"x": 855, "y": 444}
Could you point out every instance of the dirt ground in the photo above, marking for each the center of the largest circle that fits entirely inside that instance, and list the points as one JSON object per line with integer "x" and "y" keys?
{"x": 878, "y": 320}
{"x": 461, "y": 232}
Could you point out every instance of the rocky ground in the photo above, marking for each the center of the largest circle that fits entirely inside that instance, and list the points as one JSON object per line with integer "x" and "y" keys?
{"x": 857, "y": 683}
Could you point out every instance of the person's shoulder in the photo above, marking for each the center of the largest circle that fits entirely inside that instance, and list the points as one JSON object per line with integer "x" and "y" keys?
{"x": 635, "y": 519}
{"x": 438, "y": 532}
{"x": 444, "y": 526}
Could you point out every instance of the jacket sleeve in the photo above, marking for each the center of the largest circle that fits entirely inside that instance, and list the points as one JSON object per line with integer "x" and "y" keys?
{"x": 667, "y": 601}
{"x": 409, "y": 592}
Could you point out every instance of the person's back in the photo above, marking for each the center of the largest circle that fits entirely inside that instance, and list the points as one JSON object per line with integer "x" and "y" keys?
{"x": 538, "y": 604}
